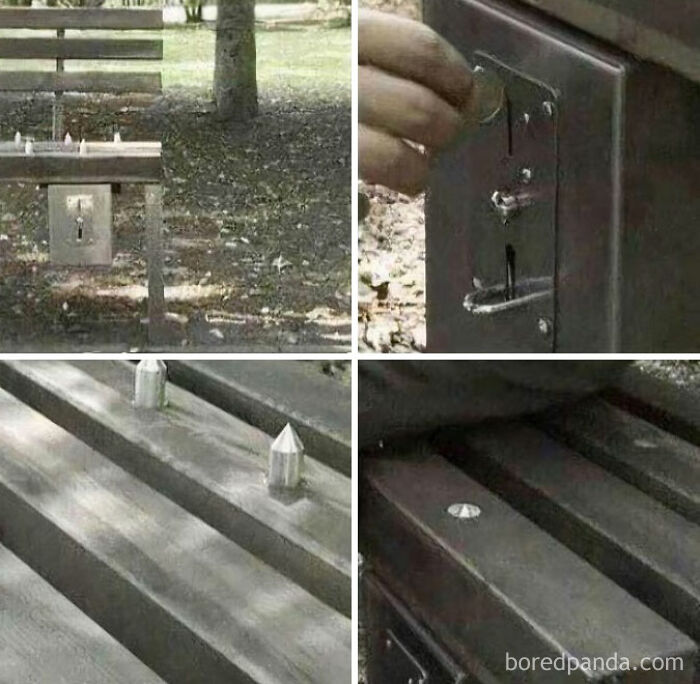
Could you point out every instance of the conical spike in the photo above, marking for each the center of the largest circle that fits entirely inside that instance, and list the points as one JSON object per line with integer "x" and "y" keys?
{"x": 286, "y": 460}
{"x": 151, "y": 376}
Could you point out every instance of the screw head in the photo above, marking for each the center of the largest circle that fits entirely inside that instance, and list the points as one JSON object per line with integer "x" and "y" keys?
{"x": 526, "y": 174}
{"x": 525, "y": 118}
{"x": 464, "y": 511}
{"x": 544, "y": 325}
{"x": 548, "y": 108}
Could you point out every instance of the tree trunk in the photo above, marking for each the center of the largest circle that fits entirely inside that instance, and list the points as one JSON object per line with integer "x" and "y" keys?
{"x": 235, "y": 81}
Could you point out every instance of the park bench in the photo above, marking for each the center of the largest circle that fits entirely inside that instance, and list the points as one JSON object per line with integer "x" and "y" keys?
{"x": 572, "y": 533}
{"x": 161, "y": 531}
{"x": 566, "y": 222}
{"x": 81, "y": 175}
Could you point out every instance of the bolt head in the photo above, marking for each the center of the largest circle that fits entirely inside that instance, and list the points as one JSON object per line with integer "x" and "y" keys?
{"x": 464, "y": 511}
{"x": 526, "y": 174}
{"x": 525, "y": 118}
{"x": 548, "y": 108}
{"x": 544, "y": 325}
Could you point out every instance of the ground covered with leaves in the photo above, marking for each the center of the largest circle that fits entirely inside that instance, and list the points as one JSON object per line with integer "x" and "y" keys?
{"x": 257, "y": 215}
{"x": 392, "y": 254}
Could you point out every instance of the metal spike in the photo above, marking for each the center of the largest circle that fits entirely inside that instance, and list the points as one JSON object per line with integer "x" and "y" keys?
{"x": 68, "y": 139}
{"x": 29, "y": 147}
{"x": 82, "y": 150}
{"x": 151, "y": 376}
{"x": 286, "y": 460}
{"x": 18, "y": 139}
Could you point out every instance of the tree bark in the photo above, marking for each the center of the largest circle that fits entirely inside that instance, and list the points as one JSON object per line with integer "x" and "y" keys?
{"x": 235, "y": 77}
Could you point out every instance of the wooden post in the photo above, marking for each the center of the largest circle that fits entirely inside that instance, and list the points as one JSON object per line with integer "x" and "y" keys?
{"x": 58, "y": 96}
{"x": 154, "y": 255}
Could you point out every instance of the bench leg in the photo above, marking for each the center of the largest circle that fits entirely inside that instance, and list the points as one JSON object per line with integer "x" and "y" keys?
{"x": 154, "y": 249}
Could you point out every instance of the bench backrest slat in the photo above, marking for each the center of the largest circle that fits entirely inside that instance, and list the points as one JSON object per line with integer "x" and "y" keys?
{"x": 118, "y": 19}
{"x": 80, "y": 48}
{"x": 80, "y": 82}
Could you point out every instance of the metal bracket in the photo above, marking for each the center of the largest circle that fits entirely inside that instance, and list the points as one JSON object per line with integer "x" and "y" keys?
{"x": 401, "y": 661}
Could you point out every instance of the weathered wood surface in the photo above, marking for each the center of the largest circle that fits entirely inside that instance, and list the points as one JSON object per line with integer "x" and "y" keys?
{"x": 668, "y": 34}
{"x": 499, "y": 583}
{"x": 80, "y": 48}
{"x": 45, "y": 639}
{"x": 664, "y": 403}
{"x": 645, "y": 547}
{"x": 270, "y": 394}
{"x": 80, "y": 82}
{"x": 80, "y": 18}
{"x": 653, "y": 460}
{"x": 209, "y": 462}
{"x": 188, "y": 602}
{"x": 55, "y": 163}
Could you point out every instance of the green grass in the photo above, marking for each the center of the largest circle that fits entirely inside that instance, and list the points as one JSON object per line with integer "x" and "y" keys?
{"x": 311, "y": 58}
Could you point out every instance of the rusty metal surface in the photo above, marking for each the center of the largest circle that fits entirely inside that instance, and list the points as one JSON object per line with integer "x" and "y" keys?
{"x": 625, "y": 272}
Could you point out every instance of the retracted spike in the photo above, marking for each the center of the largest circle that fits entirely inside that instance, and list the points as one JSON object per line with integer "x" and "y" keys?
{"x": 286, "y": 460}
{"x": 151, "y": 376}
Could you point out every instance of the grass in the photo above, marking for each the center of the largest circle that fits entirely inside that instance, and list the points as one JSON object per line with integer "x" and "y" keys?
{"x": 316, "y": 59}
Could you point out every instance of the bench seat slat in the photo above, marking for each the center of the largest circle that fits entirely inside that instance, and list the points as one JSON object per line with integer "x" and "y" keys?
{"x": 80, "y": 82}
{"x": 118, "y": 19}
{"x": 104, "y": 163}
{"x": 672, "y": 407}
{"x": 645, "y": 547}
{"x": 191, "y": 604}
{"x": 221, "y": 479}
{"x": 269, "y": 394}
{"x": 655, "y": 461}
{"x": 80, "y": 48}
{"x": 498, "y": 583}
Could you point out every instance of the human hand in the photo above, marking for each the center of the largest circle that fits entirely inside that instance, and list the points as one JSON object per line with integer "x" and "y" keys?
{"x": 416, "y": 91}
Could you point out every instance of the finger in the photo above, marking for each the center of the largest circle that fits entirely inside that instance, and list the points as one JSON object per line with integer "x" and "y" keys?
{"x": 405, "y": 109}
{"x": 414, "y": 51}
{"x": 391, "y": 162}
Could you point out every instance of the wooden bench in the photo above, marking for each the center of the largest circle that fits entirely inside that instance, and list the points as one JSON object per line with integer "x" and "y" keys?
{"x": 159, "y": 527}
{"x": 96, "y": 164}
{"x": 584, "y": 542}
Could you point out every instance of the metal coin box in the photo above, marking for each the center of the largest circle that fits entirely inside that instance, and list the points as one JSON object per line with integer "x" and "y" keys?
{"x": 568, "y": 223}
{"x": 80, "y": 225}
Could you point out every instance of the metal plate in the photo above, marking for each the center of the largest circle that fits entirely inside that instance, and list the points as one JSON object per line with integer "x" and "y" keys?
{"x": 573, "y": 156}
{"x": 80, "y": 225}
{"x": 515, "y": 158}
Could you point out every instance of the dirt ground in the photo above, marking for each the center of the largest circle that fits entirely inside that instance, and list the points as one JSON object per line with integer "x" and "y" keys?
{"x": 257, "y": 229}
{"x": 392, "y": 255}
